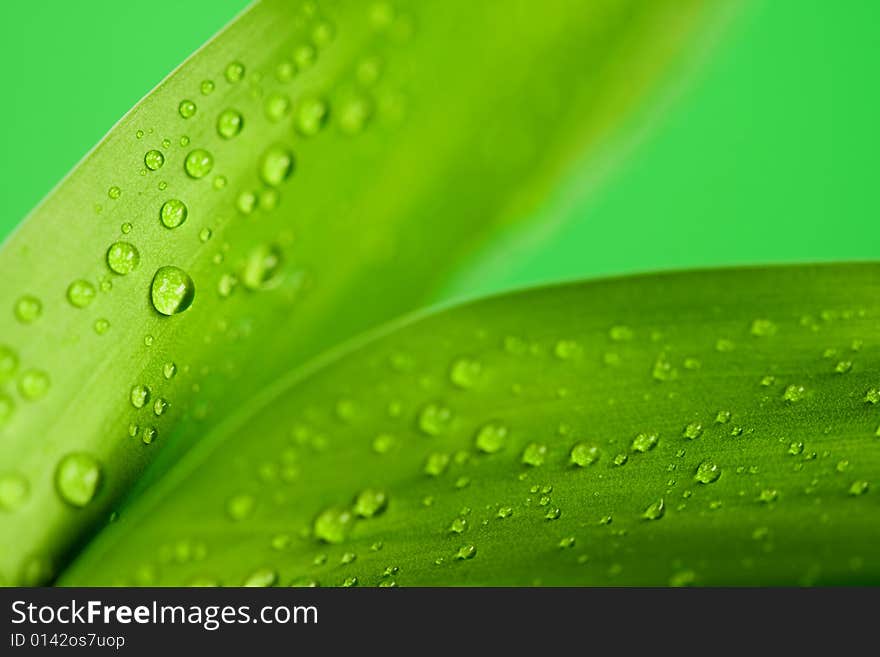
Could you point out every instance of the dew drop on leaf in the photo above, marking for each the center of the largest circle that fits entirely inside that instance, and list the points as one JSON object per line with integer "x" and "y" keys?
{"x": 8, "y": 362}
{"x": 534, "y": 454}
{"x": 465, "y": 373}
{"x": 434, "y": 419}
{"x": 859, "y": 488}
{"x": 644, "y": 442}
{"x": 262, "y": 577}
{"x": 655, "y": 511}
{"x": 114, "y": 192}
{"x": 583, "y": 454}
{"x": 262, "y": 267}
{"x": 234, "y": 72}
{"x": 77, "y": 478}
{"x": 370, "y": 502}
{"x": 154, "y": 160}
{"x": 794, "y": 393}
{"x": 693, "y": 431}
{"x": 28, "y": 309}
{"x": 466, "y": 552}
{"x": 149, "y": 435}
{"x": 198, "y": 163}
{"x": 80, "y": 293}
{"x": 491, "y": 437}
{"x": 436, "y": 464}
{"x": 276, "y": 165}
{"x": 123, "y": 258}
{"x": 277, "y": 106}
{"x": 169, "y": 369}
{"x": 229, "y": 123}
{"x": 33, "y": 384}
{"x": 707, "y": 472}
{"x": 172, "y": 290}
{"x": 240, "y": 507}
{"x": 207, "y": 87}
{"x": 186, "y": 109}
{"x": 139, "y": 396}
{"x": 173, "y": 213}
{"x": 311, "y": 116}
{"x": 333, "y": 525}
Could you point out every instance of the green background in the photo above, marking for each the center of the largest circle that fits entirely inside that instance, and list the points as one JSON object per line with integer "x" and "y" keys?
{"x": 765, "y": 153}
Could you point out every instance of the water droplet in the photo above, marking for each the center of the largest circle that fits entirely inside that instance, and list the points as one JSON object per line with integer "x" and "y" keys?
{"x": 683, "y": 578}
{"x": 33, "y": 384}
{"x": 160, "y": 406}
{"x": 114, "y": 192}
{"x": 763, "y": 328}
{"x": 277, "y": 106}
{"x": 768, "y": 495}
{"x": 101, "y": 326}
{"x": 173, "y": 213}
{"x": 77, "y": 478}
{"x": 123, "y": 258}
{"x": 794, "y": 393}
{"x": 276, "y": 165}
{"x": 583, "y": 454}
{"x": 465, "y": 373}
{"x": 655, "y": 511}
{"x": 332, "y": 525}
{"x": 139, "y": 134}
{"x": 567, "y": 349}
{"x": 724, "y": 345}
{"x": 466, "y": 552}
{"x": 150, "y": 434}
{"x": 229, "y": 123}
{"x": 354, "y": 113}
{"x": 370, "y": 502}
{"x": 184, "y": 140}
{"x": 262, "y": 577}
{"x": 126, "y": 228}
{"x": 434, "y": 419}
{"x": 843, "y": 367}
{"x": 349, "y": 582}
{"x": 14, "y": 491}
{"x": 347, "y": 558}
{"x": 458, "y": 526}
{"x": 723, "y": 417}
{"x": 436, "y": 464}
{"x": 859, "y": 488}
{"x": 154, "y": 160}
{"x": 28, "y": 309}
{"x": 693, "y": 431}
{"x": 80, "y": 293}
{"x": 198, "y": 163}
{"x": 795, "y": 448}
{"x": 139, "y": 396}
{"x": 234, "y": 72}
{"x": 172, "y": 290}
{"x": 620, "y": 459}
{"x": 491, "y": 437}
{"x": 304, "y": 56}
{"x": 872, "y": 396}
{"x": 534, "y": 454}
{"x": 842, "y": 466}
{"x": 707, "y": 472}
{"x": 553, "y": 514}
{"x": 207, "y": 87}
{"x": 204, "y": 235}
{"x": 169, "y": 370}
{"x": 239, "y": 507}
{"x": 187, "y": 109}
{"x": 620, "y": 333}
{"x": 644, "y": 442}
{"x": 311, "y": 116}
{"x": 262, "y": 267}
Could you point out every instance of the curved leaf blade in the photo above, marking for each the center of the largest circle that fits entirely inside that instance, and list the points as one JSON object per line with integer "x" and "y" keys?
{"x": 711, "y": 427}
{"x": 357, "y": 95}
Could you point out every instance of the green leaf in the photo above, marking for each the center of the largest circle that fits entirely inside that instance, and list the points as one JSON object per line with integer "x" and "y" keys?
{"x": 305, "y": 176}
{"x": 712, "y": 427}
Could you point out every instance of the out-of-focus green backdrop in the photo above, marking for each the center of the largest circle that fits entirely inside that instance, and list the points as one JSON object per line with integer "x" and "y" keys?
{"x": 766, "y": 154}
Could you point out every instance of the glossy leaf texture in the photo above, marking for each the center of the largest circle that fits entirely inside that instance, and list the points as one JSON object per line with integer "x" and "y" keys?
{"x": 311, "y": 172}
{"x": 709, "y": 428}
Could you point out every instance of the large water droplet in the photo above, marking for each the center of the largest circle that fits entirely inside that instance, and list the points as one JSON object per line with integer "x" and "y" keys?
{"x": 370, "y": 502}
{"x": 198, "y": 163}
{"x": 123, "y": 258}
{"x": 491, "y": 437}
{"x": 311, "y": 116}
{"x": 229, "y": 123}
{"x": 139, "y": 396}
{"x": 80, "y": 293}
{"x": 707, "y": 472}
{"x": 262, "y": 267}
{"x": 28, "y": 309}
{"x": 276, "y": 165}
{"x": 583, "y": 454}
{"x": 173, "y": 213}
{"x": 332, "y": 525}
{"x": 434, "y": 419}
{"x": 77, "y": 478}
{"x": 154, "y": 160}
{"x": 172, "y": 290}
